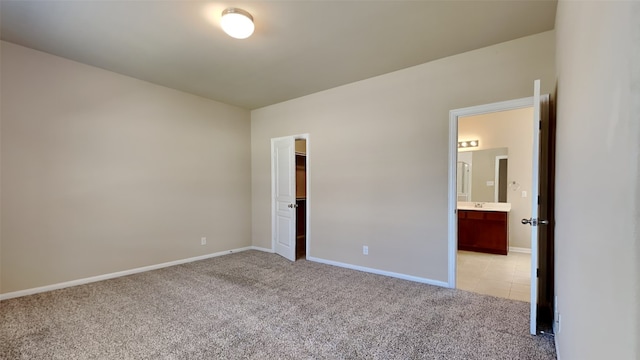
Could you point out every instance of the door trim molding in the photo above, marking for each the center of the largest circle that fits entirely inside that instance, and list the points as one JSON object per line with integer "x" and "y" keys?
{"x": 453, "y": 158}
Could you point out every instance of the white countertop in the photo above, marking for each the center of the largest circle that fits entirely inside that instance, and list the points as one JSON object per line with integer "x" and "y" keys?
{"x": 484, "y": 206}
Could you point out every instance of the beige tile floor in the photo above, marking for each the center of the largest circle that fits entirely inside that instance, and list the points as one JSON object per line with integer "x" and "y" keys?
{"x": 497, "y": 275}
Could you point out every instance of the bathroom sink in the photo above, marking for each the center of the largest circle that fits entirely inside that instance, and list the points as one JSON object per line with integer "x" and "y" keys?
{"x": 484, "y": 206}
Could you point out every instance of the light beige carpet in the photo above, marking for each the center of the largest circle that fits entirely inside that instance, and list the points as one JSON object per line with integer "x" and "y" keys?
{"x": 254, "y": 305}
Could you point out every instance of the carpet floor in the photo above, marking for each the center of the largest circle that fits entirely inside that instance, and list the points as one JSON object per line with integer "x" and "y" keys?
{"x": 255, "y": 305}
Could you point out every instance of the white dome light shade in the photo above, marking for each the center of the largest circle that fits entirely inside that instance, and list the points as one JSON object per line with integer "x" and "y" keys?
{"x": 237, "y": 23}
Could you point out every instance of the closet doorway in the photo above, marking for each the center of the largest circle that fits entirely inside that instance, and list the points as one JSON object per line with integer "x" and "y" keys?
{"x": 301, "y": 198}
{"x": 290, "y": 196}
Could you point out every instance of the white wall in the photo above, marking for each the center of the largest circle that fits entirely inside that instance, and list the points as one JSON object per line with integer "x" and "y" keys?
{"x": 379, "y": 154}
{"x": 512, "y": 129}
{"x": 104, "y": 173}
{"x": 597, "y": 216}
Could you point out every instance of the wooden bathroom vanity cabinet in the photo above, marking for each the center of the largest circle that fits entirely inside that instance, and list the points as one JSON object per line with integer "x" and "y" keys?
{"x": 483, "y": 231}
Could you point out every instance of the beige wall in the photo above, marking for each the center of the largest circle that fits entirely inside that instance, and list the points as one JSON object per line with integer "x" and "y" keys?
{"x": 378, "y": 154}
{"x": 103, "y": 173}
{"x": 597, "y": 215}
{"x": 514, "y": 130}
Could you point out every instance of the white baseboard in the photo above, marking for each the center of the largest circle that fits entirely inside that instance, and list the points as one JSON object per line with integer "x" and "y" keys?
{"x": 519, "y": 250}
{"x": 380, "y": 272}
{"x": 262, "y": 249}
{"x": 88, "y": 280}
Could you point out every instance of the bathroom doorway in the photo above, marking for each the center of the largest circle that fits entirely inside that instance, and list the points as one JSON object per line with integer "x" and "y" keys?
{"x": 540, "y": 219}
{"x": 541, "y": 206}
{"x": 494, "y": 254}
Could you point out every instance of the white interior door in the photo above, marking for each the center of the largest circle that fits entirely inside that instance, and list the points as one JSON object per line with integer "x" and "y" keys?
{"x": 284, "y": 196}
{"x": 534, "y": 220}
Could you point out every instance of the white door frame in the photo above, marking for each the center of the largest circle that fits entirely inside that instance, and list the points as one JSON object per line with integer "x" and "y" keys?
{"x": 273, "y": 194}
{"x": 453, "y": 160}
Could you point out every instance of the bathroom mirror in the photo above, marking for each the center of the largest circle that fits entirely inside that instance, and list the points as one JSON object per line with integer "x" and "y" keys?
{"x": 482, "y": 175}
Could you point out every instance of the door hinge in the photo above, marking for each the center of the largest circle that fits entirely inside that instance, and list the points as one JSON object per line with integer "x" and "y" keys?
{"x": 538, "y": 199}
{"x": 540, "y": 125}
{"x": 537, "y": 273}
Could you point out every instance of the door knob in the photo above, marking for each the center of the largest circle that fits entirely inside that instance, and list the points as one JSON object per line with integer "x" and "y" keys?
{"x": 534, "y": 222}
{"x": 292, "y": 206}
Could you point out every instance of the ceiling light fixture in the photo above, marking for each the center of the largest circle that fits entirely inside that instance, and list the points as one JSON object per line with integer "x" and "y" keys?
{"x": 468, "y": 143}
{"x": 237, "y": 23}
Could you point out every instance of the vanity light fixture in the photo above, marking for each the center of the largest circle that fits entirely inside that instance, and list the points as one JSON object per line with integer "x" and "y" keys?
{"x": 237, "y": 23}
{"x": 468, "y": 144}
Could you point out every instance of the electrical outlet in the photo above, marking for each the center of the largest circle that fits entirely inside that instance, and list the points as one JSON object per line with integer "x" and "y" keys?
{"x": 365, "y": 250}
{"x": 203, "y": 241}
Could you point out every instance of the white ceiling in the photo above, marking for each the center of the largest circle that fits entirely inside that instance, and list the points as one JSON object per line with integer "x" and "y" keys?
{"x": 298, "y": 48}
